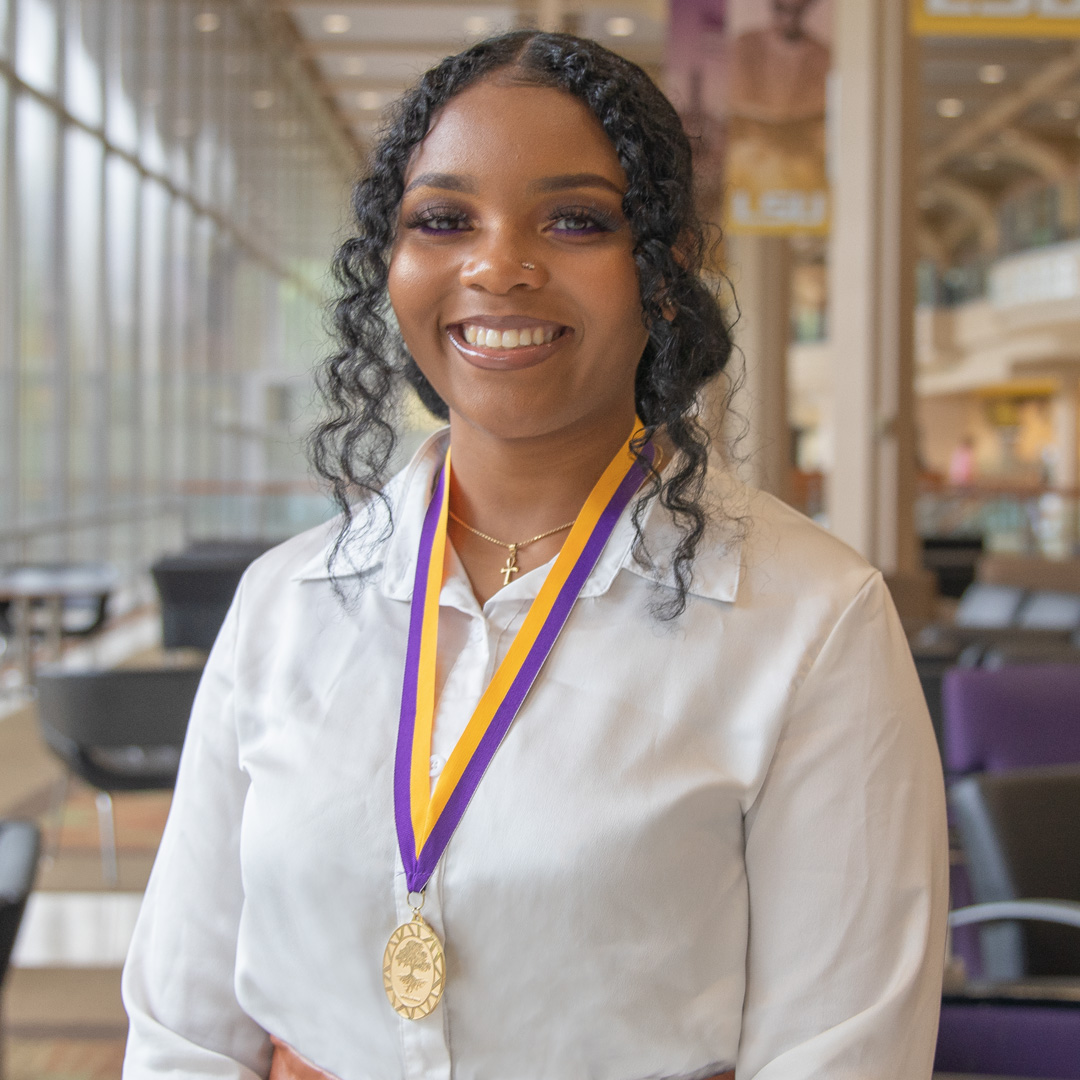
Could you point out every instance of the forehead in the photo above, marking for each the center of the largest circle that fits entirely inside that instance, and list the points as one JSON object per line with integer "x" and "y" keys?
{"x": 500, "y": 128}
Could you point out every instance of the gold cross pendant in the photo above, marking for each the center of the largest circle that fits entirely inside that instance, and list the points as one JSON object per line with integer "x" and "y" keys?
{"x": 511, "y": 566}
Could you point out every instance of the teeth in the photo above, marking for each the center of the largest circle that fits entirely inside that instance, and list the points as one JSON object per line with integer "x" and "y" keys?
{"x": 507, "y": 339}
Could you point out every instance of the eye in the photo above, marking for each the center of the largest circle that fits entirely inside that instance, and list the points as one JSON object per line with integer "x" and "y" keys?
{"x": 438, "y": 221}
{"x": 582, "y": 221}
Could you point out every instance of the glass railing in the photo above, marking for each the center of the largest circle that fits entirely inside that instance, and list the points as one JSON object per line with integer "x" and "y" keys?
{"x": 1037, "y": 218}
{"x": 950, "y": 287}
{"x": 131, "y": 536}
{"x": 1030, "y": 521}
{"x": 251, "y": 511}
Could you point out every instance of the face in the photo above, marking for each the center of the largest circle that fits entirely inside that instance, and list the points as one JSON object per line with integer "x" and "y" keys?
{"x": 788, "y": 16}
{"x": 512, "y": 276}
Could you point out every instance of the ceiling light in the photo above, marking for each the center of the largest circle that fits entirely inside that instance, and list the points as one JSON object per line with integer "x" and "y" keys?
{"x": 620, "y": 26}
{"x": 477, "y": 24}
{"x": 206, "y": 22}
{"x": 991, "y": 74}
{"x": 950, "y": 108}
{"x": 369, "y": 100}
{"x": 354, "y": 65}
{"x": 1066, "y": 109}
{"x": 336, "y": 23}
{"x": 262, "y": 99}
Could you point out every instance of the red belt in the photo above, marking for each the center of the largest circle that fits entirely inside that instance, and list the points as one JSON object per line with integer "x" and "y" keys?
{"x": 287, "y": 1064}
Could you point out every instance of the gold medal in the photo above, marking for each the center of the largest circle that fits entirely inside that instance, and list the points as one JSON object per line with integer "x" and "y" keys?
{"x": 414, "y": 969}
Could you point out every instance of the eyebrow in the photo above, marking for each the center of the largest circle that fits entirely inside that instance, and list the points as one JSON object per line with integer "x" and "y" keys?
{"x": 449, "y": 181}
{"x": 457, "y": 182}
{"x": 576, "y": 180}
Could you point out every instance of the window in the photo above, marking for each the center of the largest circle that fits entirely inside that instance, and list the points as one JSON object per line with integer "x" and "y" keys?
{"x": 170, "y": 216}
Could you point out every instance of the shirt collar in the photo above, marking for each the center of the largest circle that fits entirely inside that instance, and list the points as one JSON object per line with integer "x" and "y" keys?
{"x": 388, "y": 557}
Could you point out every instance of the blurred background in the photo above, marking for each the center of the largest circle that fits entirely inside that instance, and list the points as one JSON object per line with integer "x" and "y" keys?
{"x": 898, "y": 185}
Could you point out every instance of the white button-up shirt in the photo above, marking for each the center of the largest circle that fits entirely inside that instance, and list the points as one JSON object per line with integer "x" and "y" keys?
{"x": 706, "y": 843}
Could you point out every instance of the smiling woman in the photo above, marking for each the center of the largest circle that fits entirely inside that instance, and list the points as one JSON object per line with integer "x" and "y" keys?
{"x": 550, "y": 151}
{"x": 561, "y": 754}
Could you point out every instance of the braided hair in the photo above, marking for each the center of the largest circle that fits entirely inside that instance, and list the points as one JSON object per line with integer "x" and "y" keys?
{"x": 689, "y": 336}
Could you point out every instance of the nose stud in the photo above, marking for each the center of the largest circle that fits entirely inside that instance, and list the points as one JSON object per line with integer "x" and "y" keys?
{"x": 528, "y": 266}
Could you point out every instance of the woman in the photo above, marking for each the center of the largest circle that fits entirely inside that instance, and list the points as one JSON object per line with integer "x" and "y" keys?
{"x": 419, "y": 832}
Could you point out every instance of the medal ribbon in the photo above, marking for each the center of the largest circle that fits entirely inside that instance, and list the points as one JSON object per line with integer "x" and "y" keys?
{"x": 426, "y": 819}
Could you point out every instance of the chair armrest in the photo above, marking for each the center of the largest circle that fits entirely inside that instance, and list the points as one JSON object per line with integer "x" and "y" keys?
{"x": 1062, "y": 912}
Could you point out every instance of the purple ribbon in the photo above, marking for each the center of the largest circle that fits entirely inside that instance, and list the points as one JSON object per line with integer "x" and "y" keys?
{"x": 418, "y": 869}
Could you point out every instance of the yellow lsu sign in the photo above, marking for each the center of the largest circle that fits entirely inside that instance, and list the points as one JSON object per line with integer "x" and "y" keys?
{"x": 996, "y": 18}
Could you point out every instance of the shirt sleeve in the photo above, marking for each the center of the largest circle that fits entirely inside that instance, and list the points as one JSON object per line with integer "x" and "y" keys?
{"x": 846, "y": 860}
{"x": 185, "y": 1020}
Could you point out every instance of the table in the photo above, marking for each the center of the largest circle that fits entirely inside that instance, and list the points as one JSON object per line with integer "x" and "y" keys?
{"x": 28, "y": 585}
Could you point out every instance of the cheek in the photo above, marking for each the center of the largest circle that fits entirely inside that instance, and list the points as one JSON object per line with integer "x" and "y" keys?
{"x": 622, "y": 313}
{"x": 413, "y": 286}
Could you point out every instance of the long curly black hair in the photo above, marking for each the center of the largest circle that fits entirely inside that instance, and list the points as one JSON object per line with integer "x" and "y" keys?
{"x": 689, "y": 335}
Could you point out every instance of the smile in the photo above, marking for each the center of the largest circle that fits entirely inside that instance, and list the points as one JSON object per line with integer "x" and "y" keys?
{"x": 508, "y": 339}
{"x": 507, "y": 343}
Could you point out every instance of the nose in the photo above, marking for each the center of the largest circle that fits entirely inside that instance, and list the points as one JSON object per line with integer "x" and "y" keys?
{"x": 501, "y": 260}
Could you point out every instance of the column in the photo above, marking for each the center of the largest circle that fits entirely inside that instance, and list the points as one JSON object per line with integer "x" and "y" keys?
{"x": 871, "y": 488}
{"x": 1066, "y": 404}
{"x": 1067, "y": 445}
{"x": 760, "y": 270}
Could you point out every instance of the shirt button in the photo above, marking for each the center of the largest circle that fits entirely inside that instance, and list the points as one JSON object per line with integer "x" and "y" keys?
{"x": 436, "y": 765}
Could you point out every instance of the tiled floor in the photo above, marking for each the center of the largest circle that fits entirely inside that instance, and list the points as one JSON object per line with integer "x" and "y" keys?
{"x": 64, "y": 1059}
{"x": 63, "y": 1016}
{"x": 62, "y": 1009}
{"x": 76, "y": 929}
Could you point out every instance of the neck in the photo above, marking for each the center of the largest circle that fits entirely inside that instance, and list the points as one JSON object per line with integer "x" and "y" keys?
{"x": 514, "y": 488}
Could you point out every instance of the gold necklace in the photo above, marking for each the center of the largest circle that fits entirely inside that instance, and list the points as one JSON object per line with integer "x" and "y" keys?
{"x": 511, "y": 566}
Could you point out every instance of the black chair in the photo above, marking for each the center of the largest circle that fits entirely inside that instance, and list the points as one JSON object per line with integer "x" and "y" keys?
{"x": 1046, "y": 610}
{"x": 19, "y": 847}
{"x": 197, "y": 587}
{"x": 1020, "y": 833}
{"x": 952, "y": 560}
{"x": 989, "y": 607}
{"x": 1021, "y": 1015}
{"x": 119, "y": 730}
{"x": 1022, "y": 651}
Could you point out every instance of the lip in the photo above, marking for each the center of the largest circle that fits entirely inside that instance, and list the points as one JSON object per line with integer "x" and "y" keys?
{"x": 523, "y": 356}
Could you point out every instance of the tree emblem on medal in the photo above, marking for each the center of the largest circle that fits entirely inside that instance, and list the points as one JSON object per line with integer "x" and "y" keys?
{"x": 414, "y": 956}
{"x": 414, "y": 969}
